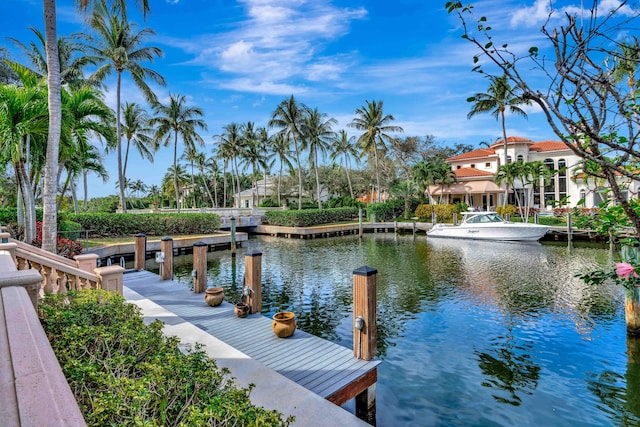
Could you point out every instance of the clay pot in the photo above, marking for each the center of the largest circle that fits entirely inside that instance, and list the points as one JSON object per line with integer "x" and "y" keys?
{"x": 214, "y": 296}
{"x": 241, "y": 309}
{"x": 284, "y": 324}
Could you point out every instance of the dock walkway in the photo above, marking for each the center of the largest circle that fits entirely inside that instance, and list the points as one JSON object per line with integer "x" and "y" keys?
{"x": 326, "y": 369}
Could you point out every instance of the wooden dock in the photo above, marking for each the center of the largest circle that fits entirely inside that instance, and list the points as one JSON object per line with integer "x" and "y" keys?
{"x": 322, "y": 367}
{"x": 342, "y": 229}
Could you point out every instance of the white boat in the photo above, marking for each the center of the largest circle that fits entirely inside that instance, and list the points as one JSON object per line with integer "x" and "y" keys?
{"x": 488, "y": 226}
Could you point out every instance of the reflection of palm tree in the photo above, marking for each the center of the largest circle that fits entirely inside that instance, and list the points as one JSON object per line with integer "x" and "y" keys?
{"x": 508, "y": 367}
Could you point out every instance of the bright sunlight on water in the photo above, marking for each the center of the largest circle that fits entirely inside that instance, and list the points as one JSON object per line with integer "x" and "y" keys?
{"x": 469, "y": 333}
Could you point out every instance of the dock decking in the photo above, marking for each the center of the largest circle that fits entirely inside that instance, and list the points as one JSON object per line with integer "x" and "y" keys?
{"x": 325, "y": 368}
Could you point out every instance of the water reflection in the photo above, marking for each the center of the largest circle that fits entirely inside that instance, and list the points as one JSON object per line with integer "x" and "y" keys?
{"x": 470, "y": 333}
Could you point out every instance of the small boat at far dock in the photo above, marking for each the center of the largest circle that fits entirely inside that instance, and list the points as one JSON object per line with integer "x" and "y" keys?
{"x": 488, "y": 226}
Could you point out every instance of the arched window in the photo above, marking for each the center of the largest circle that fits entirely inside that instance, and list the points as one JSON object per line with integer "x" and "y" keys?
{"x": 508, "y": 159}
{"x": 520, "y": 158}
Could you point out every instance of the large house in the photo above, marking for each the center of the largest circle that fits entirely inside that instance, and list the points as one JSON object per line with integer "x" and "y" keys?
{"x": 475, "y": 172}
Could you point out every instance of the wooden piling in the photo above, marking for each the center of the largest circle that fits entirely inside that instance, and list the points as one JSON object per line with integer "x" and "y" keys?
{"x": 360, "y": 223}
{"x": 569, "y": 229}
{"x": 166, "y": 267}
{"x": 631, "y": 255}
{"x": 364, "y": 308}
{"x": 233, "y": 236}
{"x": 253, "y": 277}
{"x": 140, "y": 254}
{"x": 199, "y": 267}
{"x": 364, "y": 334}
{"x": 455, "y": 218}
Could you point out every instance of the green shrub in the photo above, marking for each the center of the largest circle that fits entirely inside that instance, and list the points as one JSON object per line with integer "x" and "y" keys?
{"x": 269, "y": 203}
{"x": 310, "y": 217}
{"x": 123, "y": 372}
{"x": 344, "y": 202}
{"x": 115, "y": 225}
{"x": 443, "y": 212}
{"x": 70, "y": 229}
{"x": 424, "y": 212}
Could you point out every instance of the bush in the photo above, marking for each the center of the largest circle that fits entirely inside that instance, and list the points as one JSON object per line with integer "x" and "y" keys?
{"x": 269, "y": 203}
{"x": 424, "y": 212}
{"x": 443, "y": 212}
{"x": 503, "y": 211}
{"x": 70, "y": 229}
{"x": 116, "y": 225}
{"x": 344, "y": 202}
{"x": 310, "y": 217}
{"x": 64, "y": 247}
{"x": 123, "y": 372}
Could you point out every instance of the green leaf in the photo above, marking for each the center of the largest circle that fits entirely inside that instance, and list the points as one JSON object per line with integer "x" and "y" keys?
{"x": 471, "y": 99}
{"x": 475, "y": 59}
{"x": 488, "y": 45}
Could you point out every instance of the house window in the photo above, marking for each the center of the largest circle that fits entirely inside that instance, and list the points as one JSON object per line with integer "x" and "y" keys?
{"x": 246, "y": 203}
{"x": 562, "y": 179}
{"x": 583, "y": 197}
{"x": 508, "y": 159}
{"x": 458, "y": 167}
{"x": 550, "y": 185}
{"x": 473, "y": 165}
{"x": 520, "y": 158}
{"x": 487, "y": 165}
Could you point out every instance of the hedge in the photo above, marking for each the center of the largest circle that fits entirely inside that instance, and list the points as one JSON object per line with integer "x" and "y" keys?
{"x": 310, "y": 217}
{"x": 123, "y": 372}
{"x": 443, "y": 212}
{"x": 116, "y": 225}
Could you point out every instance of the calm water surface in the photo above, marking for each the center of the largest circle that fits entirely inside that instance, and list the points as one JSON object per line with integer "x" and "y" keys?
{"x": 470, "y": 333}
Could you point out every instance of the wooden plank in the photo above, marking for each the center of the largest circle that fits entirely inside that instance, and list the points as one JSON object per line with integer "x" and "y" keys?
{"x": 354, "y": 388}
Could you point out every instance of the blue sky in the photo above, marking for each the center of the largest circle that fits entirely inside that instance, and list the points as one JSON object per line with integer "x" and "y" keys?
{"x": 238, "y": 59}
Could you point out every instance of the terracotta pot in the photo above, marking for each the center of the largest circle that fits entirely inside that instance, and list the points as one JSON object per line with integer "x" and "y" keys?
{"x": 214, "y": 296}
{"x": 284, "y": 324}
{"x": 241, "y": 309}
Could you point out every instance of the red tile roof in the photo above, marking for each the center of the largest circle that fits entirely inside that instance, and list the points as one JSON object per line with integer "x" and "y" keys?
{"x": 479, "y": 153}
{"x": 510, "y": 139}
{"x": 470, "y": 172}
{"x": 548, "y": 146}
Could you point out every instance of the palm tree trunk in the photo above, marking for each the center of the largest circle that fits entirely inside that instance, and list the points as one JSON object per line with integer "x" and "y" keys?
{"x": 126, "y": 159}
{"x": 224, "y": 184}
{"x": 49, "y": 223}
{"x": 315, "y": 167}
{"x": 28, "y": 201}
{"x": 279, "y": 181}
{"x": 206, "y": 186}
{"x": 85, "y": 195}
{"x": 346, "y": 164}
{"x": 295, "y": 143}
{"x": 375, "y": 152}
{"x": 175, "y": 170}
{"x": 119, "y": 145}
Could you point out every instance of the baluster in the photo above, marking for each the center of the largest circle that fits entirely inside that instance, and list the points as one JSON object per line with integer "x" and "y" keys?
{"x": 22, "y": 264}
{"x": 48, "y": 283}
{"x": 62, "y": 282}
{"x": 74, "y": 282}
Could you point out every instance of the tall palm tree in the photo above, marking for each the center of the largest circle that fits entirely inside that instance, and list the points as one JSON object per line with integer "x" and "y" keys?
{"x": 174, "y": 119}
{"x": 252, "y": 155}
{"x": 201, "y": 163}
{"x": 344, "y": 146}
{"x": 288, "y": 117}
{"x": 626, "y": 67}
{"x": 190, "y": 153}
{"x": 426, "y": 174}
{"x": 49, "y": 192}
{"x": 266, "y": 156}
{"x": 499, "y": 99}
{"x": 231, "y": 149}
{"x": 281, "y": 148}
{"x": 405, "y": 190}
{"x": 118, "y": 46}
{"x": 375, "y": 127}
{"x": 317, "y": 132}
{"x": 213, "y": 168}
{"x": 137, "y": 132}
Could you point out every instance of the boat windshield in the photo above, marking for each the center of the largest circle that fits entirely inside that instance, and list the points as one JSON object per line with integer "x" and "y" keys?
{"x": 483, "y": 218}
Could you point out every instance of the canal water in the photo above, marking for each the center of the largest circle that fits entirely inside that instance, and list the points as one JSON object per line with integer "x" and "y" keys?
{"x": 469, "y": 333}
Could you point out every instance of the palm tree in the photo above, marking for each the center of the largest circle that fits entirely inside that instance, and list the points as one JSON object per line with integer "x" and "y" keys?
{"x": 343, "y": 146}
{"x": 231, "y": 148}
{"x": 288, "y": 117}
{"x": 281, "y": 148}
{"x": 426, "y": 174}
{"x": 626, "y": 67}
{"x": 23, "y": 117}
{"x": 499, "y": 99}
{"x": 405, "y": 190}
{"x": 317, "y": 133}
{"x": 137, "y": 132}
{"x": 251, "y": 153}
{"x": 176, "y": 118}
{"x": 49, "y": 191}
{"x": 118, "y": 47}
{"x": 202, "y": 163}
{"x": 371, "y": 120}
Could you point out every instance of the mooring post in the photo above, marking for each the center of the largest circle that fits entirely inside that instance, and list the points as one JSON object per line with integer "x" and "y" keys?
{"x": 414, "y": 229}
{"x": 455, "y": 218}
{"x": 360, "y": 223}
{"x": 253, "y": 274}
{"x": 166, "y": 265}
{"x": 536, "y": 218}
{"x": 233, "y": 236}
{"x": 434, "y": 217}
{"x": 199, "y": 272}
{"x": 140, "y": 256}
{"x": 569, "y": 229}
{"x": 364, "y": 333}
{"x": 630, "y": 254}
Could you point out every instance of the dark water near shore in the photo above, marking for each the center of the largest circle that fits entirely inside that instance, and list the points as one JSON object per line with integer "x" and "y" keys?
{"x": 469, "y": 333}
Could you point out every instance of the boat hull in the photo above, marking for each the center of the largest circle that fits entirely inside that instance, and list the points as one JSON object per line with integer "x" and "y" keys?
{"x": 502, "y": 231}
